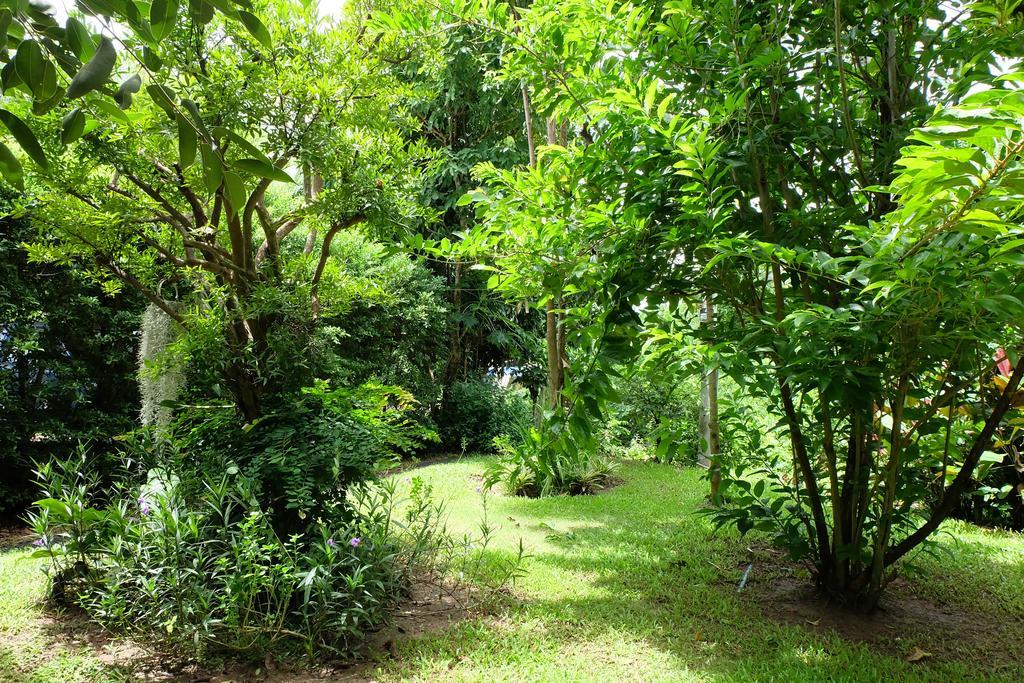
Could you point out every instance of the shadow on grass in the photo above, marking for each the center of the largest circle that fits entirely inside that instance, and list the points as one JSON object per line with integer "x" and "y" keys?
{"x": 635, "y": 573}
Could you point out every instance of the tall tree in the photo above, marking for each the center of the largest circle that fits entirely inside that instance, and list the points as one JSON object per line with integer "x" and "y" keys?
{"x": 187, "y": 193}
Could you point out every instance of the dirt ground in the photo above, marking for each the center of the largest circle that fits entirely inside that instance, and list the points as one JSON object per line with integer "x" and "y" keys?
{"x": 905, "y": 625}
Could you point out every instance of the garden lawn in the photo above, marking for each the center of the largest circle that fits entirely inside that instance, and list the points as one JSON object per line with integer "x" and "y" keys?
{"x": 627, "y": 585}
{"x": 632, "y": 585}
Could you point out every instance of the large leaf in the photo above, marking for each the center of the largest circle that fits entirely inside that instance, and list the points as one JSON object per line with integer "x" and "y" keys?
{"x": 72, "y": 127}
{"x": 94, "y": 74}
{"x": 30, "y": 64}
{"x": 224, "y": 133}
{"x": 234, "y": 189}
{"x": 254, "y": 26}
{"x": 131, "y": 85}
{"x": 162, "y": 15}
{"x": 47, "y": 89}
{"x": 79, "y": 40}
{"x": 193, "y": 111}
{"x": 164, "y": 98}
{"x": 5, "y": 22}
{"x": 10, "y": 167}
{"x": 152, "y": 59}
{"x": 25, "y": 137}
{"x": 263, "y": 169}
{"x": 187, "y": 141}
{"x": 111, "y": 110}
{"x": 9, "y": 77}
{"x": 213, "y": 168}
{"x": 201, "y": 11}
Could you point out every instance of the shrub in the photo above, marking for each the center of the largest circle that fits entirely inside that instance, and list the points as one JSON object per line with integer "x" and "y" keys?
{"x": 474, "y": 412}
{"x": 541, "y": 463}
{"x": 66, "y": 358}
{"x": 654, "y": 417}
{"x": 389, "y": 320}
{"x": 193, "y": 563}
{"x": 305, "y": 452}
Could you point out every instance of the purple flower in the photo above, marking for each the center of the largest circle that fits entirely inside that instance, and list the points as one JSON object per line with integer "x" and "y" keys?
{"x": 330, "y": 542}
{"x": 144, "y": 507}
{"x": 479, "y": 489}
{"x": 355, "y": 542}
{"x": 39, "y": 542}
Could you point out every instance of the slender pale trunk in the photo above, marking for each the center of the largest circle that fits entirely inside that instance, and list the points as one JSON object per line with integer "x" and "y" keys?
{"x": 553, "y": 322}
{"x": 313, "y": 183}
{"x": 554, "y": 360}
{"x": 708, "y": 456}
{"x": 528, "y": 117}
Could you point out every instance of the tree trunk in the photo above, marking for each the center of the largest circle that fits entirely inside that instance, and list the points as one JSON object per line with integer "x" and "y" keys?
{"x": 708, "y": 456}
{"x": 554, "y": 359}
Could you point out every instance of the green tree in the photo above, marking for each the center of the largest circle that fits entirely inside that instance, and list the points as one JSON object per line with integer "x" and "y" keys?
{"x": 187, "y": 195}
{"x": 759, "y": 148}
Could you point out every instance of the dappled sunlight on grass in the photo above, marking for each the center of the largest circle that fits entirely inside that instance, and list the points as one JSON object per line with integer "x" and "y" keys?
{"x": 627, "y": 585}
{"x": 631, "y": 584}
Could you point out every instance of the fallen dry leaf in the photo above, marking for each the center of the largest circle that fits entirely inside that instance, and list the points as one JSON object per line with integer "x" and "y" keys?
{"x": 917, "y": 654}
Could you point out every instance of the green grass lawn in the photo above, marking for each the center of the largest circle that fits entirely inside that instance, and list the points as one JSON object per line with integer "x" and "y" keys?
{"x": 627, "y": 585}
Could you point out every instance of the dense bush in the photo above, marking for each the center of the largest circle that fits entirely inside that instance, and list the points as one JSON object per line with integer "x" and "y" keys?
{"x": 305, "y": 452}
{"x": 655, "y": 416}
{"x": 474, "y": 412}
{"x": 67, "y": 369}
{"x": 193, "y": 562}
{"x": 390, "y": 318}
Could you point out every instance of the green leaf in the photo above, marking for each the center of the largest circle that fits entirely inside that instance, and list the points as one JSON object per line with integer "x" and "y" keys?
{"x": 188, "y": 142}
{"x": 131, "y": 85}
{"x": 234, "y": 190}
{"x": 263, "y": 169}
{"x": 47, "y": 90}
{"x": 254, "y": 26}
{"x": 193, "y": 110}
{"x": 222, "y": 133}
{"x": 72, "y": 127}
{"x": 54, "y": 507}
{"x": 10, "y": 167}
{"x": 25, "y": 137}
{"x": 151, "y": 59}
{"x": 94, "y": 74}
{"x": 163, "y": 97}
{"x": 9, "y": 77}
{"x": 78, "y": 39}
{"x": 991, "y": 457}
{"x": 201, "y": 11}
{"x": 111, "y": 110}
{"x": 213, "y": 168}
{"x": 30, "y": 64}
{"x": 162, "y": 15}
{"x": 5, "y": 23}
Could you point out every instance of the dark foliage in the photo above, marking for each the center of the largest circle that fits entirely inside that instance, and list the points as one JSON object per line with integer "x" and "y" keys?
{"x": 67, "y": 362}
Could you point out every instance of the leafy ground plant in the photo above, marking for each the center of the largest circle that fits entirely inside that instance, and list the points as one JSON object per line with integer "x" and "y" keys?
{"x": 540, "y": 463}
{"x": 197, "y": 566}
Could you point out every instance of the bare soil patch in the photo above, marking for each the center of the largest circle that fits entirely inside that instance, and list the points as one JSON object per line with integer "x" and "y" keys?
{"x": 906, "y": 625}
{"x": 14, "y": 536}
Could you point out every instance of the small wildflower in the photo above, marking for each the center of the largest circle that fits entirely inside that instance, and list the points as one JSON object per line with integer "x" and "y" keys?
{"x": 39, "y": 542}
{"x": 479, "y": 489}
{"x": 355, "y": 542}
{"x": 330, "y": 542}
{"x": 144, "y": 507}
